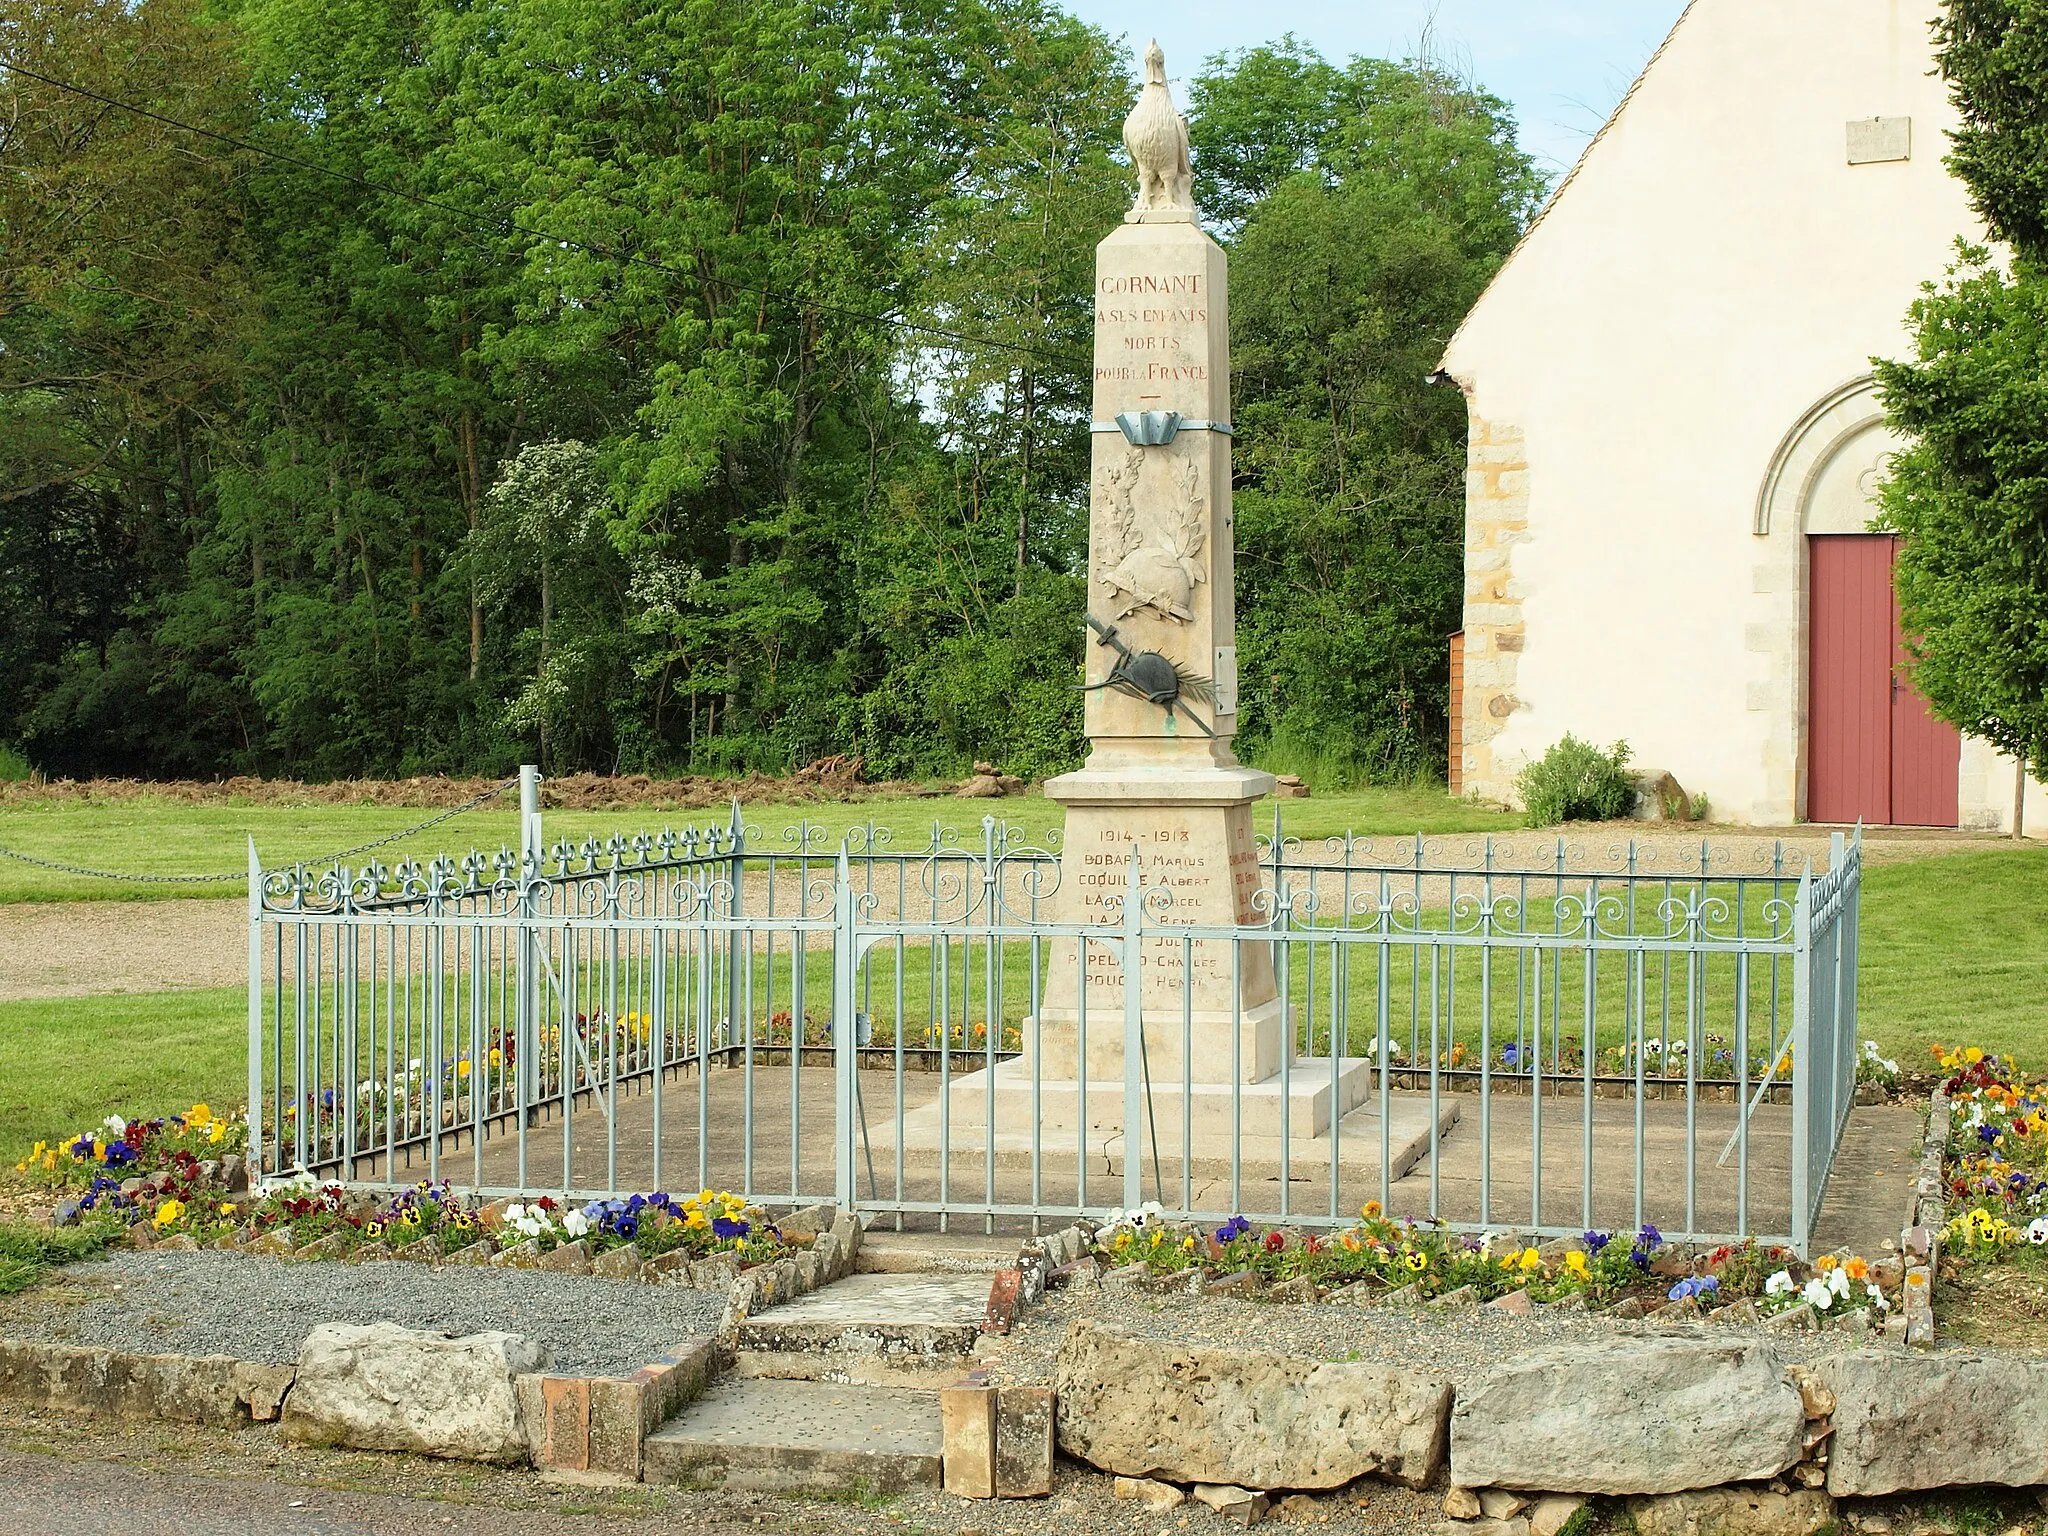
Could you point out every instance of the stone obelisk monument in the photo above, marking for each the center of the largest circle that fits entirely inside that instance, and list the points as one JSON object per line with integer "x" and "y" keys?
{"x": 1161, "y": 785}
{"x": 1161, "y": 781}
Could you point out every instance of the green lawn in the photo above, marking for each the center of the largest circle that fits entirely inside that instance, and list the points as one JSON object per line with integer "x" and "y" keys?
{"x": 66, "y": 1063}
{"x": 166, "y": 837}
{"x": 1953, "y": 952}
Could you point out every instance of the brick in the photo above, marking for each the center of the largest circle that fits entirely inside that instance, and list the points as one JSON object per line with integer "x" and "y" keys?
{"x": 616, "y": 1426}
{"x": 1024, "y": 1442}
{"x": 967, "y": 1421}
{"x": 564, "y": 1443}
{"x": 1005, "y": 1295}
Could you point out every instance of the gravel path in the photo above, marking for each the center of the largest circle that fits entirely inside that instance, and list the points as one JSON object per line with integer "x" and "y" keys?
{"x": 258, "y": 1308}
{"x": 1458, "y": 1343}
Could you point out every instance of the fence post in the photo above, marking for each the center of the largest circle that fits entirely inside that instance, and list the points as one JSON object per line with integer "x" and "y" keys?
{"x": 254, "y": 1155}
{"x": 1134, "y": 1040}
{"x": 845, "y": 1039}
{"x": 532, "y": 850}
{"x": 529, "y": 812}
{"x": 1804, "y": 1074}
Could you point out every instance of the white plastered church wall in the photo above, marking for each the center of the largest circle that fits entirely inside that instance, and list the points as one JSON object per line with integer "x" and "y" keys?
{"x": 1710, "y": 284}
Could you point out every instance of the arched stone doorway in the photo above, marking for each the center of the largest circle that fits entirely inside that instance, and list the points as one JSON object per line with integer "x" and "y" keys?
{"x": 1858, "y": 744}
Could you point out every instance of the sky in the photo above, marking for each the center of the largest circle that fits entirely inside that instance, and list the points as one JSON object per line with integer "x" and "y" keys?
{"x": 1563, "y": 64}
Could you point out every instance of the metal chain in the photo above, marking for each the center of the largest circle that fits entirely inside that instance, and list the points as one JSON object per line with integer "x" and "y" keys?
{"x": 242, "y": 874}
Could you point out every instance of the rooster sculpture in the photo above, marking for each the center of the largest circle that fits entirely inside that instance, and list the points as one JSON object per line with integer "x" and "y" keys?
{"x": 1157, "y": 138}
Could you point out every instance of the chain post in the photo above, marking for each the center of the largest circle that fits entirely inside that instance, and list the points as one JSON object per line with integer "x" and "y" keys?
{"x": 254, "y": 1113}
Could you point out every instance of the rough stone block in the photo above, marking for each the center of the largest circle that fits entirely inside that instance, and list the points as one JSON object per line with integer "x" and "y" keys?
{"x": 188, "y": 1389}
{"x": 568, "y": 1258}
{"x": 526, "y": 1255}
{"x": 1150, "y": 1408}
{"x": 262, "y": 1388}
{"x": 1905, "y": 1422}
{"x": 1155, "y": 1496}
{"x": 967, "y": 1426}
{"x": 1623, "y": 1416}
{"x": 807, "y": 1221}
{"x": 1024, "y": 1442}
{"x": 478, "y": 1252}
{"x": 847, "y": 1228}
{"x": 386, "y": 1388}
{"x": 1752, "y": 1511}
{"x": 1549, "y": 1516}
{"x": 1233, "y": 1503}
{"x": 1462, "y": 1504}
{"x": 618, "y": 1263}
{"x": 671, "y": 1268}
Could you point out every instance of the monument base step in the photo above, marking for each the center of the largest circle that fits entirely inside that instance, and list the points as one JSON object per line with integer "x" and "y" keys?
{"x": 1358, "y": 1145}
{"x": 801, "y": 1436}
{"x": 1300, "y": 1109}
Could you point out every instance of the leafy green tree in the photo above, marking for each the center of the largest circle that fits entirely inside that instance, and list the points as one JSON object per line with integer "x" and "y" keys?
{"x": 1348, "y": 277}
{"x": 1969, "y": 497}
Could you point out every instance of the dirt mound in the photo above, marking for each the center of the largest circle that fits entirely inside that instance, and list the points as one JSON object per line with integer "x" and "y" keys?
{"x": 837, "y": 779}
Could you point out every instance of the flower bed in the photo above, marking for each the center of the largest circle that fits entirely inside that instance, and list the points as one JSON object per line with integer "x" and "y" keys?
{"x": 179, "y": 1179}
{"x": 1994, "y": 1245}
{"x": 1382, "y": 1259}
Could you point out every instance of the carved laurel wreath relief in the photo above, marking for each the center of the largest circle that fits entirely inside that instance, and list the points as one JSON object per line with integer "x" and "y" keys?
{"x": 1153, "y": 562}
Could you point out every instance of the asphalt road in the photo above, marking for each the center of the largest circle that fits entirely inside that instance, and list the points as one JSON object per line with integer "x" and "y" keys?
{"x": 43, "y": 1495}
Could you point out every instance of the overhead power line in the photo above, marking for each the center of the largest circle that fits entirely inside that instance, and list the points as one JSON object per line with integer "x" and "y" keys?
{"x": 512, "y": 227}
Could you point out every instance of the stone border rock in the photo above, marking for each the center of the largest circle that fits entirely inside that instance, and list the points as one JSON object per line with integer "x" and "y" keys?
{"x": 1920, "y": 1243}
{"x": 216, "y": 1390}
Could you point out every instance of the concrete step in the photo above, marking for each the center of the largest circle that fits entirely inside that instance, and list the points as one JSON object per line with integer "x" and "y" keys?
{"x": 813, "y": 1437}
{"x": 883, "y": 1330}
{"x": 915, "y": 1253}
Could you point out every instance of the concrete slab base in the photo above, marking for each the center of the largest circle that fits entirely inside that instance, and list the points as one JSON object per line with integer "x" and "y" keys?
{"x": 801, "y": 1436}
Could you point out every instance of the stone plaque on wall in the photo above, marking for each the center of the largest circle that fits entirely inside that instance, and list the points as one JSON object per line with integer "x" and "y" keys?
{"x": 1875, "y": 140}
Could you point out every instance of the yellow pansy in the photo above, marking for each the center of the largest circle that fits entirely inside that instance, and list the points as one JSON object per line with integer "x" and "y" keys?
{"x": 167, "y": 1214}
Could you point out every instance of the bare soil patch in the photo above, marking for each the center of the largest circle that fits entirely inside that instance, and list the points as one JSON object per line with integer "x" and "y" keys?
{"x": 831, "y": 780}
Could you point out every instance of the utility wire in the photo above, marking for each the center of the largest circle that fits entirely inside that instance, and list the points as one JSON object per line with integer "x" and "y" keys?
{"x": 508, "y": 226}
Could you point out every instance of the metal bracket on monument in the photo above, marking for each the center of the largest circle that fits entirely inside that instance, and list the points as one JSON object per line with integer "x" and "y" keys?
{"x": 1155, "y": 429}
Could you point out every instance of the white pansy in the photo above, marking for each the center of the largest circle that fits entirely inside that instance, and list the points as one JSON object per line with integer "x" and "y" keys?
{"x": 1877, "y": 1296}
{"x": 115, "y": 1125}
{"x": 575, "y": 1223}
{"x": 1781, "y": 1284}
{"x": 1818, "y": 1296}
{"x": 1838, "y": 1281}
{"x": 2037, "y": 1232}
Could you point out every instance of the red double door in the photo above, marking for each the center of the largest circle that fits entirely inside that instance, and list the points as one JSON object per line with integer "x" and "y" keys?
{"x": 1874, "y": 752}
